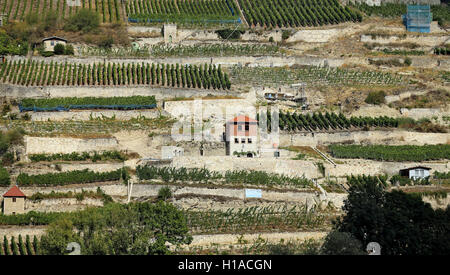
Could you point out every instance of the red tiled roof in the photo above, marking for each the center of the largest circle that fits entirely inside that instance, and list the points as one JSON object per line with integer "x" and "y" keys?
{"x": 242, "y": 118}
{"x": 14, "y": 192}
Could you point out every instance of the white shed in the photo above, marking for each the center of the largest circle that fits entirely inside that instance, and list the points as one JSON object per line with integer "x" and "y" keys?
{"x": 418, "y": 172}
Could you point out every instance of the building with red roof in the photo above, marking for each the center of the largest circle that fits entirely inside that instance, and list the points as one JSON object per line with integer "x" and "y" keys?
{"x": 14, "y": 201}
{"x": 241, "y": 136}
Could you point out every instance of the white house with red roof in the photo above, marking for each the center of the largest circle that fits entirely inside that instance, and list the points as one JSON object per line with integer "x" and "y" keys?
{"x": 14, "y": 201}
{"x": 241, "y": 136}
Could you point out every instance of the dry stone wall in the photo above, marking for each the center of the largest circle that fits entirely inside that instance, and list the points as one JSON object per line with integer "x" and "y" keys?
{"x": 53, "y": 145}
{"x": 88, "y": 115}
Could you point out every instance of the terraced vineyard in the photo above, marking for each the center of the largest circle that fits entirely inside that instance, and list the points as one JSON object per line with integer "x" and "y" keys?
{"x": 19, "y": 246}
{"x": 330, "y": 121}
{"x": 314, "y": 76}
{"x": 392, "y": 153}
{"x": 296, "y": 13}
{"x": 181, "y": 11}
{"x": 256, "y": 218}
{"x": 109, "y": 10}
{"x": 33, "y": 73}
{"x": 207, "y": 50}
{"x": 60, "y": 104}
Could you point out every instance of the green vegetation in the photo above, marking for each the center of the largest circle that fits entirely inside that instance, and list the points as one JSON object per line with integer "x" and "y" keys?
{"x": 135, "y": 228}
{"x": 290, "y": 13}
{"x": 5, "y": 179}
{"x": 392, "y": 153}
{"x": 257, "y": 219}
{"x": 376, "y": 98}
{"x": 84, "y": 20}
{"x": 442, "y": 51}
{"x": 170, "y": 174}
{"x": 341, "y": 243}
{"x": 312, "y": 75}
{"x": 20, "y": 247}
{"x": 131, "y": 102}
{"x": 164, "y": 193}
{"x": 329, "y": 122}
{"x": 71, "y": 177}
{"x": 75, "y": 156}
{"x": 32, "y": 73}
{"x": 373, "y": 214}
{"x": 99, "y": 194}
{"x": 8, "y": 140}
{"x": 441, "y": 13}
{"x": 11, "y": 46}
{"x": 179, "y": 11}
{"x": 107, "y": 10}
{"x": 184, "y": 51}
{"x": 442, "y": 175}
{"x": 32, "y": 218}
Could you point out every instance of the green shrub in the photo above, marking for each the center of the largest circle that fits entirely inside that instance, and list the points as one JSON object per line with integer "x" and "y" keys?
{"x": 376, "y": 98}
{"x": 69, "y": 50}
{"x": 5, "y": 179}
{"x": 84, "y": 20}
{"x": 164, "y": 193}
{"x": 59, "y": 49}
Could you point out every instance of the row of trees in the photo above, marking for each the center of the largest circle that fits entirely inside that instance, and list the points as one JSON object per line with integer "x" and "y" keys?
{"x": 171, "y": 174}
{"x": 392, "y": 153}
{"x": 181, "y": 10}
{"x": 295, "y": 13}
{"x": 19, "y": 246}
{"x": 330, "y": 121}
{"x": 131, "y": 102}
{"x": 75, "y": 156}
{"x": 32, "y": 73}
{"x": 110, "y": 10}
{"x": 70, "y": 177}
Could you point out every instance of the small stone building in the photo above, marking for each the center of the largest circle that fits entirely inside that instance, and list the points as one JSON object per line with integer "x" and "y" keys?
{"x": 14, "y": 201}
{"x": 241, "y": 136}
{"x": 49, "y": 43}
{"x": 170, "y": 33}
{"x": 415, "y": 173}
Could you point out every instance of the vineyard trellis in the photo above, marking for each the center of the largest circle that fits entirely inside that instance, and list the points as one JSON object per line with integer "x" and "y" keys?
{"x": 68, "y": 103}
{"x": 19, "y": 246}
{"x": 313, "y": 76}
{"x": 392, "y": 153}
{"x": 208, "y": 50}
{"x": 329, "y": 121}
{"x": 250, "y": 219}
{"x": 109, "y": 10}
{"x": 171, "y": 174}
{"x": 33, "y": 73}
{"x": 181, "y": 11}
{"x": 296, "y": 13}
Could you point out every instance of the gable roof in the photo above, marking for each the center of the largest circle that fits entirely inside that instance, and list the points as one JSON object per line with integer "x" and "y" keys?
{"x": 242, "y": 118}
{"x": 54, "y": 38}
{"x": 14, "y": 192}
{"x": 416, "y": 167}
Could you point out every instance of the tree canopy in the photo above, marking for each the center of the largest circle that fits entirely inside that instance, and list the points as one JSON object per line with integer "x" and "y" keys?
{"x": 401, "y": 223}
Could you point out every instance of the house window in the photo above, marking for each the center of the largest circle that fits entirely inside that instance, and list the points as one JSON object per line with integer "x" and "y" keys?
{"x": 239, "y": 127}
{"x": 14, "y": 199}
{"x": 52, "y": 43}
{"x": 249, "y": 140}
{"x": 236, "y": 140}
{"x": 243, "y": 140}
{"x": 247, "y": 126}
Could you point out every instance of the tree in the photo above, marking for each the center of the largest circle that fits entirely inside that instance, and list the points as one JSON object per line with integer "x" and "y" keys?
{"x": 69, "y": 50}
{"x": 84, "y": 20}
{"x": 401, "y": 223}
{"x": 164, "y": 193}
{"x": 341, "y": 243}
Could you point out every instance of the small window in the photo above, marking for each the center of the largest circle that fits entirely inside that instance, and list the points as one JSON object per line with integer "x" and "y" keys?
{"x": 239, "y": 127}
{"x": 52, "y": 43}
{"x": 236, "y": 140}
{"x": 249, "y": 140}
{"x": 14, "y": 199}
{"x": 13, "y": 213}
{"x": 247, "y": 126}
{"x": 243, "y": 140}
